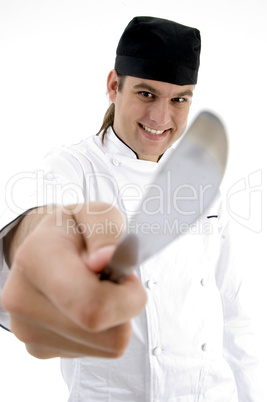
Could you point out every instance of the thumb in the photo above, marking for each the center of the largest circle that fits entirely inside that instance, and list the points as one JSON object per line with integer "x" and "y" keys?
{"x": 98, "y": 259}
{"x": 103, "y": 226}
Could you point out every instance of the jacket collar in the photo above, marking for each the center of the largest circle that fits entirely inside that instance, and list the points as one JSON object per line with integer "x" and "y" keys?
{"x": 114, "y": 145}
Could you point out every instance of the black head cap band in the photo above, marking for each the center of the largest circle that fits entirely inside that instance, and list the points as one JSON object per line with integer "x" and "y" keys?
{"x": 159, "y": 49}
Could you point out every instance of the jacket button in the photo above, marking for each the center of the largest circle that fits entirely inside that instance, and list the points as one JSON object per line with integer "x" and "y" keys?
{"x": 203, "y": 282}
{"x": 49, "y": 176}
{"x": 157, "y": 351}
{"x": 204, "y": 347}
{"x": 115, "y": 162}
{"x": 150, "y": 284}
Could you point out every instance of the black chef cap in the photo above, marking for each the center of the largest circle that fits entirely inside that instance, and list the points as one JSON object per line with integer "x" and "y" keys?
{"x": 159, "y": 49}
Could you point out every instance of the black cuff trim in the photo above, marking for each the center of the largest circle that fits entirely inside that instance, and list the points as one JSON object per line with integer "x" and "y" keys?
{"x": 2, "y": 326}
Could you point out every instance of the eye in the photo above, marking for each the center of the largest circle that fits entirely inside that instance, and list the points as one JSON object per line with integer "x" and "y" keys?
{"x": 180, "y": 100}
{"x": 146, "y": 94}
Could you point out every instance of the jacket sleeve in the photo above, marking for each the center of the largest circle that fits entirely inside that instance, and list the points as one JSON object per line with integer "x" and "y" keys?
{"x": 240, "y": 340}
{"x": 4, "y": 271}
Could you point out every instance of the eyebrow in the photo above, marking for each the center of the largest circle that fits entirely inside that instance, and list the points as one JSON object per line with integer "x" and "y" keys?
{"x": 149, "y": 88}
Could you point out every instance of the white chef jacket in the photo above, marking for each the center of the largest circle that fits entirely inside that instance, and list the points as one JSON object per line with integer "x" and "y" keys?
{"x": 193, "y": 342}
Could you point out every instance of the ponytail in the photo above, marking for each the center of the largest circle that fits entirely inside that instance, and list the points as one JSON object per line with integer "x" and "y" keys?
{"x": 108, "y": 120}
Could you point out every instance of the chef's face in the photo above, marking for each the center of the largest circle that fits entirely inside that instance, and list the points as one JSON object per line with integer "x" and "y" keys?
{"x": 149, "y": 115}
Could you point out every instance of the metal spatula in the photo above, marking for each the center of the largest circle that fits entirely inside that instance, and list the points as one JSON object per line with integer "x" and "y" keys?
{"x": 183, "y": 189}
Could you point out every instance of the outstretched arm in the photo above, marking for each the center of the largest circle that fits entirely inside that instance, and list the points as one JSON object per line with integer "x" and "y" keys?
{"x": 58, "y": 305}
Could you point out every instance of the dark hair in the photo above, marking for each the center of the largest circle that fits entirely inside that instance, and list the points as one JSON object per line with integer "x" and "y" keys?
{"x": 109, "y": 115}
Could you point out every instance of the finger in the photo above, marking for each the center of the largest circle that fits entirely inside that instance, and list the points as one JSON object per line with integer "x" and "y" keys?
{"x": 104, "y": 225}
{"x": 43, "y": 343}
{"x": 58, "y": 271}
{"x": 78, "y": 293}
{"x": 35, "y": 321}
{"x": 98, "y": 260}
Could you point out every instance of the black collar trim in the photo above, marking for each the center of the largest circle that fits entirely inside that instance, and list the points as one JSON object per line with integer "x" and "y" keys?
{"x": 137, "y": 157}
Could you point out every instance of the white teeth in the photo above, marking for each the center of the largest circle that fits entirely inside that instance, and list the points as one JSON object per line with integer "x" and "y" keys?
{"x": 150, "y": 130}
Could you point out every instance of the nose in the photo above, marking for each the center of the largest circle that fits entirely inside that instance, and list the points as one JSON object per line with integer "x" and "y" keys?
{"x": 160, "y": 113}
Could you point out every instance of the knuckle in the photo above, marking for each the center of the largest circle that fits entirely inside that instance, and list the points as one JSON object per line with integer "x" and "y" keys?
{"x": 40, "y": 352}
{"x": 12, "y": 305}
{"x": 14, "y": 298}
{"x": 10, "y": 300}
{"x": 5, "y": 300}
{"x": 21, "y": 331}
{"x": 95, "y": 317}
{"x": 116, "y": 354}
{"x": 121, "y": 340}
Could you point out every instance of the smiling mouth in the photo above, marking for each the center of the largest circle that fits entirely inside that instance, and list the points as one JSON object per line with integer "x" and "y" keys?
{"x": 151, "y": 130}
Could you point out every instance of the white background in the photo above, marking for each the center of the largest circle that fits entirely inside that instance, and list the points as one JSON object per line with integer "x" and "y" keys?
{"x": 54, "y": 59}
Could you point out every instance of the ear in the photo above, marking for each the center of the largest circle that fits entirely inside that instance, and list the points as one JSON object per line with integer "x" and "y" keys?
{"x": 112, "y": 85}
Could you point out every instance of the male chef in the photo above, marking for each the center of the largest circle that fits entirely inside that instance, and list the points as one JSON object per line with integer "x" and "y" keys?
{"x": 175, "y": 329}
